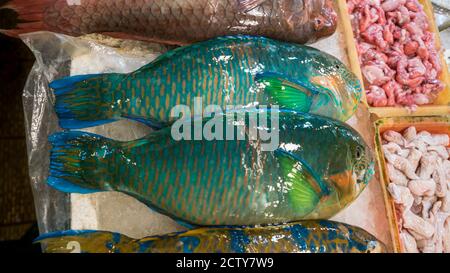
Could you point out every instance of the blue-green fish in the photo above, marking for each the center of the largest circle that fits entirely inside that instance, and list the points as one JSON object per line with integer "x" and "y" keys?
{"x": 316, "y": 168}
{"x": 235, "y": 70}
{"x": 297, "y": 237}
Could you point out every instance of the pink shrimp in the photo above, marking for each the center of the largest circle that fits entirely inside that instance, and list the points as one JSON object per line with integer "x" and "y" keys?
{"x": 376, "y": 96}
{"x": 374, "y": 34}
{"x": 410, "y": 48}
{"x": 397, "y": 52}
{"x": 416, "y": 68}
{"x": 411, "y": 5}
{"x": 390, "y": 89}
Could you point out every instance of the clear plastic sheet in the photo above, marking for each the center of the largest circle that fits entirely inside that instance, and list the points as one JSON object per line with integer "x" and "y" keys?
{"x": 58, "y": 56}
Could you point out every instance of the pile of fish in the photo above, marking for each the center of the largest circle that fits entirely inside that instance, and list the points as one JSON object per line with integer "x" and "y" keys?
{"x": 397, "y": 52}
{"x": 316, "y": 167}
{"x": 418, "y": 165}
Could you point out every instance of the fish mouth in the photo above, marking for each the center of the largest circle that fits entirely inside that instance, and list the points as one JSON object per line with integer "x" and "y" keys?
{"x": 345, "y": 81}
{"x": 333, "y": 90}
{"x": 346, "y": 185}
{"x": 345, "y": 95}
{"x": 376, "y": 247}
{"x": 323, "y": 19}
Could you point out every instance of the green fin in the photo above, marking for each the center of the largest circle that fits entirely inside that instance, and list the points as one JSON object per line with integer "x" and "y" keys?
{"x": 286, "y": 93}
{"x": 307, "y": 188}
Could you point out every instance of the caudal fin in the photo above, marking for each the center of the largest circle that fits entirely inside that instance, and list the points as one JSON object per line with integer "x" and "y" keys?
{"x": 23, "y": 16}
{"x": 79, "y": 162}
{"x": 86, "y": 241}
{"x": 86, "y": 100}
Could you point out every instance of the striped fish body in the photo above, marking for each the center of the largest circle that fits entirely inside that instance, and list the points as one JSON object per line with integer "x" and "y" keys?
{"x": 224, "y": 182}
{"x": 234, "y": 70}
{"x": 175, "y": 21}
{"x": 298, "y": 237}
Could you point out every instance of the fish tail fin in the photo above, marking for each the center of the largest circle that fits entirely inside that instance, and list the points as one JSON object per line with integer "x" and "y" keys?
{"x": 23, "y": 16}
{"x": 79, "y": 162}
{"x": 86, "y": 241}
{"x": 86, "y": 100}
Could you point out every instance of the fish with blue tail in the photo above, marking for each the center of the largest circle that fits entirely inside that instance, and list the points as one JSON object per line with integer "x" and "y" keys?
{"x": 315, "y": 167}
{"x": 232, "y": 70}
{"x": 297, "y": 237}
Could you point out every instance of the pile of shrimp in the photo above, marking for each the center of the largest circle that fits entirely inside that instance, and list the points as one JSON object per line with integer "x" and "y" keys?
{"x": 418, "y": 166}
{"x": 397, "y": 52}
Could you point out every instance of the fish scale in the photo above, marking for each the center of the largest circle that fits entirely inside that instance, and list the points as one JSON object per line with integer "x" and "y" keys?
{"x": 305, "y": 236}
{"x": 223, "y": 182}
{"x": 237, "y": 70}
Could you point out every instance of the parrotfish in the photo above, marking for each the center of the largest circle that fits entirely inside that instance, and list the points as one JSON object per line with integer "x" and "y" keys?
{"x": 175, "y": 21}
{"x": 235, "y": 70}
{"x": 298, "y": 237}
{"x": 311, "y": 168}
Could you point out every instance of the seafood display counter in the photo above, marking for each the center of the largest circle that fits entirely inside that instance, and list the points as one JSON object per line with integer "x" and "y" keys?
{"x": 426, "y": 140}
{"x": 360, "y": 26}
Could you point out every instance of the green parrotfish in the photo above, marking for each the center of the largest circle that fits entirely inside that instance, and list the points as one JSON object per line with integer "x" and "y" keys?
{"x": 233, "y": 70}
{"x": 315, "y": 167}
{"x": 297, "y": 237}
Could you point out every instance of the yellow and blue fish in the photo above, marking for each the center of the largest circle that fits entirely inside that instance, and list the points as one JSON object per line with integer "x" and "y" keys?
{"x": 233, "y": 70}
{"x": 298, "y": 237}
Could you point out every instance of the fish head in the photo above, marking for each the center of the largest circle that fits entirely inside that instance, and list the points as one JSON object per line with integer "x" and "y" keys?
{"x": 362, "y": 163}
{"x": 362, "y": 241}
{"x": 322, "y": 17}
{"x": 339, "y": 83}
{"x": 376, "y": 246}
{"x": 354, "y": 168}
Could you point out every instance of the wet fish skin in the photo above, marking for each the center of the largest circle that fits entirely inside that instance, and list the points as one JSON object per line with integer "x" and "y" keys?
{"x": 177, "y": 21}
{"x": 317, "y": 168}
{"x": 298, "y": 237}
{"x": 223, "y": 71}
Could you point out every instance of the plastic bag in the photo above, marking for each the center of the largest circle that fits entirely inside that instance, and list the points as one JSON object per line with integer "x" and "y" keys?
{"x": 58, "y": 56}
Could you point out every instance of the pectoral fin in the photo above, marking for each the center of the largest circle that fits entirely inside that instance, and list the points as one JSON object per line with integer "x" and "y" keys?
{"x": 307, "y": 188}
{"x": 286, "y": 93}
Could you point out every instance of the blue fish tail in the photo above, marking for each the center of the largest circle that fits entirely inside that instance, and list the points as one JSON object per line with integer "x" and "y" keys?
{"x": 73, "y": 161}
{"x": 64, "y": 233}
{"x": 86, "y": 100}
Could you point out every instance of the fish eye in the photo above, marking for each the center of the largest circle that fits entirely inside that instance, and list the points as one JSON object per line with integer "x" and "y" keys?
{"x": 318, "y": 22}
{"x": 337, "y": 66}
{"x": 358, "y": 152}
